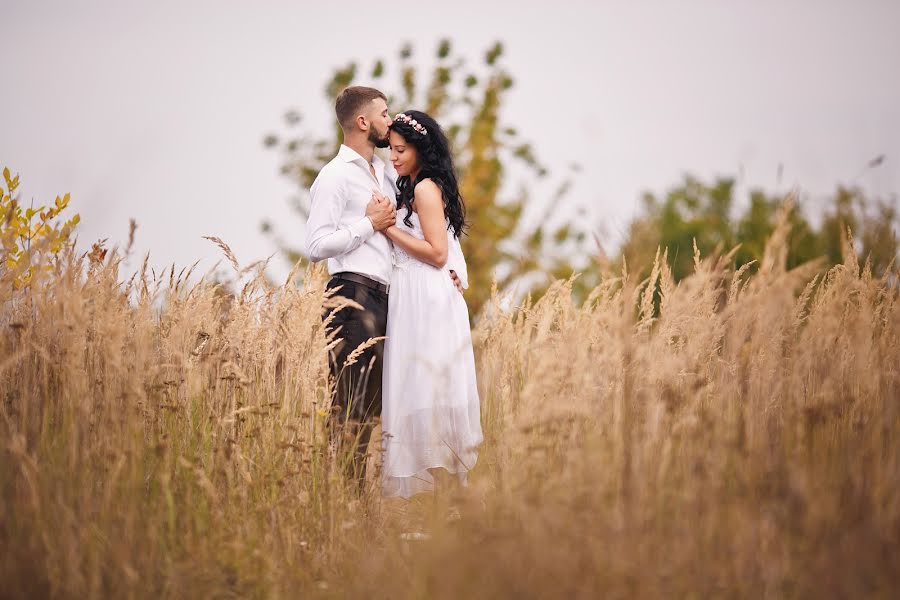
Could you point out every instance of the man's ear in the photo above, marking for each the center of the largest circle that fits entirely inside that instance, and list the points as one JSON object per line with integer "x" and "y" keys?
{"x": 362, "y": 122}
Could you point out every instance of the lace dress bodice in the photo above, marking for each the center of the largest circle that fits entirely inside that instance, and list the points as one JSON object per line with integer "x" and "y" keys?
{"x": 400, "y": 256}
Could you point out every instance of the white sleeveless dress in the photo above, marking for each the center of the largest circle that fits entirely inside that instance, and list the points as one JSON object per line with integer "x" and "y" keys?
{"x": 430, "y": 408}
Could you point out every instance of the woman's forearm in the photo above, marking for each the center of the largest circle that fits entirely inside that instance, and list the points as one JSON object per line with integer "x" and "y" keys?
{"x": 420, "y": 249}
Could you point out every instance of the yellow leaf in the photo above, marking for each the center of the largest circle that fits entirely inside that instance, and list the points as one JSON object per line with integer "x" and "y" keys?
{"x": 71, "y": 223}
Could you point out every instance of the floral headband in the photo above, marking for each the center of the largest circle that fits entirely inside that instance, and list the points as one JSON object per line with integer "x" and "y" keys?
{"x": 404, "y": 118}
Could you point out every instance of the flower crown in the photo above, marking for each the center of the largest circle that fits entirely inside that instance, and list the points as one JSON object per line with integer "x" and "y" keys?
{"x": 404, "y": 118}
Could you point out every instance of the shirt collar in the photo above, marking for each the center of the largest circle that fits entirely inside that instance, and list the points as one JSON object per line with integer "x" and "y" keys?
{"x": 348, "y": 154}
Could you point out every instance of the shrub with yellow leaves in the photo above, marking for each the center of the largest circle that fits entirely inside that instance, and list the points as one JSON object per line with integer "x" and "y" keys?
{"x": 30, "y": 238}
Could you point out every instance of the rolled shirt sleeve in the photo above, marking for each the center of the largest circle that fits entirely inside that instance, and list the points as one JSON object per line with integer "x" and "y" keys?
{"x": 326, "y": 236}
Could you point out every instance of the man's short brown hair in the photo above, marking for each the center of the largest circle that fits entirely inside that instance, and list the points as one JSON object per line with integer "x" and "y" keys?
{"x": 351, "y": 101}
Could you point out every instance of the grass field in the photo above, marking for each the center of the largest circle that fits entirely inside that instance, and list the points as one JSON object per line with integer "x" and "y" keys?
{"x": 735, "y": 435}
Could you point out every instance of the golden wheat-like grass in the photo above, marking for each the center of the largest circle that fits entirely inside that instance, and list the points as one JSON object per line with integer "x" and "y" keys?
{"x": 732, "y": 435}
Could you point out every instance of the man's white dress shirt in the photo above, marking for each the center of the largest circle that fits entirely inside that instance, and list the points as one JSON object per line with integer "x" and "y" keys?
{"x": 338, "y": 229}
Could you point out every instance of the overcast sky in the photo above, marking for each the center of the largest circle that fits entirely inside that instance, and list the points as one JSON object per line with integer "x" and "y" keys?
{"x": 157, "y": 111}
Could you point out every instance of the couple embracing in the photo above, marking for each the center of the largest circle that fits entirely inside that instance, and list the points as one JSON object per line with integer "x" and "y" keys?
{"x": 390, "y": 235}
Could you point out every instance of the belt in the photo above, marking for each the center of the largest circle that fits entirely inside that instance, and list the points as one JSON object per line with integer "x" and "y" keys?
{"x": 362, "y": 280}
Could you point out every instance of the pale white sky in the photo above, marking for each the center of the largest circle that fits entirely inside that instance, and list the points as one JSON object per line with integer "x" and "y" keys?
{"x": 156, "y": 111}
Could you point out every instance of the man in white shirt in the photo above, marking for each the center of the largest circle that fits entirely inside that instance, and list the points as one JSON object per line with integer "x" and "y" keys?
{"x": 344, "y": 228}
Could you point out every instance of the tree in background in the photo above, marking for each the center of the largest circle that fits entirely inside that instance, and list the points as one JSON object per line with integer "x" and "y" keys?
{"x": 704, "y": 212}
{"x": 507, "y": 241}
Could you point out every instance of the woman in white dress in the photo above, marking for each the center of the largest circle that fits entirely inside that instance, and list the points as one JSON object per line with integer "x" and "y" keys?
{"x": 431, "y": 417}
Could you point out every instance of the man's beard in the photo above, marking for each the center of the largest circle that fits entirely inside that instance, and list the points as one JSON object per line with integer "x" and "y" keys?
{"x": 379, "y": 142}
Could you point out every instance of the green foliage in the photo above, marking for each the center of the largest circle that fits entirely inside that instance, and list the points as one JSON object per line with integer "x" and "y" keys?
{"x": 468, "y": 102}
{"x": 29, "y": 237}
{"x": 704, "y": 212}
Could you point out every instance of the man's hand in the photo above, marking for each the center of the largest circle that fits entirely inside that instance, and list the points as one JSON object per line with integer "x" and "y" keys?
{"x": 456, "y": 281}
{"x": 377, "y": 195}
{"x": 381, "y": 212}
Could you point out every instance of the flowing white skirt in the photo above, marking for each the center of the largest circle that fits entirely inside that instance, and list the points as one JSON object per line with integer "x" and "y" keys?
{"x": 430, "y": 408}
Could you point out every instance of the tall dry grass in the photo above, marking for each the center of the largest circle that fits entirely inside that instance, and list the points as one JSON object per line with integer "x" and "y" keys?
{"x": 732, "y": 435}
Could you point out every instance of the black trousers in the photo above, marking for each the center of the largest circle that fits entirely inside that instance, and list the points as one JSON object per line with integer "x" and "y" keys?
{"x": 357, "y": 385}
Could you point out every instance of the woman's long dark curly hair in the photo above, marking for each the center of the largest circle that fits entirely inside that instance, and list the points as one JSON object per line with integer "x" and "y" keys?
{"x": 435, "y": 163}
